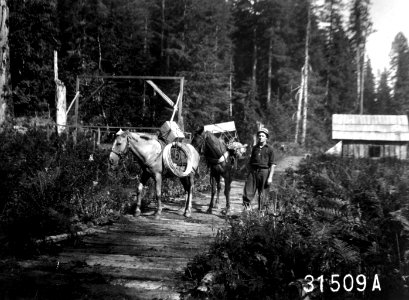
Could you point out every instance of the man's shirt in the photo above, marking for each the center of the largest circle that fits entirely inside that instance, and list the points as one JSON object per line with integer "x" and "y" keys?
{"x": 262, "y": 157}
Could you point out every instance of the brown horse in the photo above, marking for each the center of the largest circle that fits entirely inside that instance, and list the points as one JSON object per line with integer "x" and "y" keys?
{"x": 149, "y": 153}
{"x": 221, "y": 160}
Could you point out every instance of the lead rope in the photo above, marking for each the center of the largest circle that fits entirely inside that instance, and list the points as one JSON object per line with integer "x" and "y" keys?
{"x": 123, "y": 161}
{"x": 127, "y": 172}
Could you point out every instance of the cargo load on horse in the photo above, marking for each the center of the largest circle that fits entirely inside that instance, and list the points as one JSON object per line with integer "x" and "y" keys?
{"x": 177, "y": 156}
{"x": 221, "y": 154}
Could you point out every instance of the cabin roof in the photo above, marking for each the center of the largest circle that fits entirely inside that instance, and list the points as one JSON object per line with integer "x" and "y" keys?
{"x": 370, "y": 127}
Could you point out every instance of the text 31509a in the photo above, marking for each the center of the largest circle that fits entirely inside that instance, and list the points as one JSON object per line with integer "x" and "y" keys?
{"x": 348, "y": 283}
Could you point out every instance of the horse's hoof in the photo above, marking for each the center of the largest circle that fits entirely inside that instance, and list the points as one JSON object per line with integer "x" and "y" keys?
{"x": 137, "y": 213}
{"x": 226, "y": 211}
{"x": 157, "y": 214}
{"x": 209, "y": 211}
{"x": 187, "y": 214}
{"x": 216, "y": 206}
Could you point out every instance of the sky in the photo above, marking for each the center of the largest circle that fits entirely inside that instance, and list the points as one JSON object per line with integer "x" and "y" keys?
{"x": 389, "y": 17}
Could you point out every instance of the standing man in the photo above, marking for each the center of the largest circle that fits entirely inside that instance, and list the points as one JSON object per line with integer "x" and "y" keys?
{"x": 261, "y": 170}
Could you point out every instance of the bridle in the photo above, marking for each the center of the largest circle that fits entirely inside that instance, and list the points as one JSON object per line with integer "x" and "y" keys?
{"x": 201, "y": 145}
{"x": 122, "y": 154}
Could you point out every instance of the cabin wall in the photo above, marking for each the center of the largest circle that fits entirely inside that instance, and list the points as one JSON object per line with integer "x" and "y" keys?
{"x": 374, "y": 149}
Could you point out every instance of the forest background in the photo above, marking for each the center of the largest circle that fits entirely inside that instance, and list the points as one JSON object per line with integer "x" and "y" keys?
{"x": 242, "y": 61}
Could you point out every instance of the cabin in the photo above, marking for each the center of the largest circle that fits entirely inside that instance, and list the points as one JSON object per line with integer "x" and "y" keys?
{"x": 371, "y": 136}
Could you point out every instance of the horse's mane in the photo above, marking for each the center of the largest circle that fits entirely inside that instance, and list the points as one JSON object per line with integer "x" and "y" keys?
{"x": 144, "y": 136}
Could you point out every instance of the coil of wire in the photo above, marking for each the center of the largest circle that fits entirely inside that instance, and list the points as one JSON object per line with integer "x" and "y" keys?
{"x": 171, "y": 165}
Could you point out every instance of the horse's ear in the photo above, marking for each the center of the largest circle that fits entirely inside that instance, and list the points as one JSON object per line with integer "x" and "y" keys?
{"x": 121, "y": 132}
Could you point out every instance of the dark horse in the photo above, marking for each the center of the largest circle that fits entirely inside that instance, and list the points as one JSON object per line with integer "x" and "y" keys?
{"x": 221, "y": 161}
{"x": 149, "y": 153}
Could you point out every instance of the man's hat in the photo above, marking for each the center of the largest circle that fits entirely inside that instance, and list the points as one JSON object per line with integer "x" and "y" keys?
{"x": 263, "y": 130}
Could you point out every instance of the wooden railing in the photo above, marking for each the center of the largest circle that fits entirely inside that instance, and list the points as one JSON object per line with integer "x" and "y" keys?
{"x": 100, "y": 135}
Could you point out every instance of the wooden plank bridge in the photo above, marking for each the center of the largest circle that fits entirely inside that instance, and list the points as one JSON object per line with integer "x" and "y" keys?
{"x": 134, "y": 258}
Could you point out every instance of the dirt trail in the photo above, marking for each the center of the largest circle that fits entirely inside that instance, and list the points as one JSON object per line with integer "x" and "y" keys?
{"x": 135, "y": 258}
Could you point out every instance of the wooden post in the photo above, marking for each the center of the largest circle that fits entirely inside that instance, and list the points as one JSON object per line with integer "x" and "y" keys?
{"x": 93, "y": 140}
{"x": 60, "y": 98}
{"x": 99, "y": 137}
{"x": 180, "y": 105}
{"x": 77, "y": 89}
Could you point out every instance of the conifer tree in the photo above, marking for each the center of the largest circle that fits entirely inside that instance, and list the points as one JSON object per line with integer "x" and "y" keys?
{"x": 369, "y": 105}
{"x": 360, "y": 28}
{"x": 383, "y": 96}
{"x": 33, "y": 37}
{"x": 400, "y": 67}
{"x": 209, "y": 53}
{"x": 338, "y": 74}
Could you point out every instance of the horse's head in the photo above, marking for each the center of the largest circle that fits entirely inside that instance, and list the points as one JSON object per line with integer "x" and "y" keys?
{"x": 198, "y": 141}
{"x": 119, "y": 148}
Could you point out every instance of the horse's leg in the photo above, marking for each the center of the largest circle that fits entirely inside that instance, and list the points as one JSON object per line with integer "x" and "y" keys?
{"x": 227, "y": 186}
{"x": 213, "y": 190}
{"x": 158, "y": 186}
{"x": 144, "y": 179}
{"x": 218, "y": 188}
{"x": 187, "y": 183}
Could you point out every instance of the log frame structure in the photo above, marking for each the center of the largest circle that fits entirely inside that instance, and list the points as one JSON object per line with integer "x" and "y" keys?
{"x": 177, "y": 105}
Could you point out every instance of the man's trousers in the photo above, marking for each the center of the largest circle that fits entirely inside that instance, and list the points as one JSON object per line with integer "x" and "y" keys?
{"x": 256, "y": 183}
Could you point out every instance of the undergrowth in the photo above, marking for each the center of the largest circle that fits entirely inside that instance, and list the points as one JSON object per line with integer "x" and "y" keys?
{"x": 50, "y": 186}
{"x": 334, "y": 216}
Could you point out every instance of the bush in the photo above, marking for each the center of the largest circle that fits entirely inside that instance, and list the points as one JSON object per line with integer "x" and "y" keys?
{"x": 335, "y": 216}
{"x": 41, "y": 180}
{"x": 48, "y": 185}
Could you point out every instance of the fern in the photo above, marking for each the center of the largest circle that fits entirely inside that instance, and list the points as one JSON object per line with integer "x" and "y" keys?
{"x": 345, "y": 252}
{"x": 402, "y": 217}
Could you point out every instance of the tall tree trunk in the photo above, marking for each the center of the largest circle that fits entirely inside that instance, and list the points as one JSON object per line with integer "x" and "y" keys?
{"x": 99, "y": 54}
{"x": 306, "y": 73}
{"x": 254, "y": 71}
{"x": 231, "y": 88}
{"x": 184, "y": 26}
{"x": 270, "y": 61}
{"x": 330, "y": 44}
{"x": 5, "y": 94}
{"x": 216, "y": 47}
{"x": 361, "y": 99}
{"x": 145, "y": 38}
{"x": 299, "y": 107}
{"x": 162, "y": 34}
{"x": 358, "y": 76}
